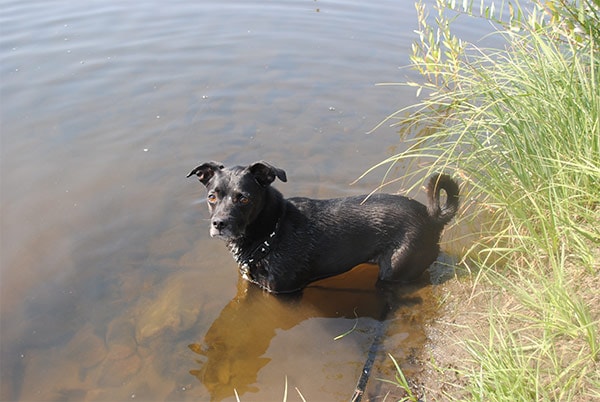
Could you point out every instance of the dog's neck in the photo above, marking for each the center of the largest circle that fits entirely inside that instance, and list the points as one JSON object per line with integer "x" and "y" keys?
{"x": 259, "y": 239}
{"x": 249, "y": 261}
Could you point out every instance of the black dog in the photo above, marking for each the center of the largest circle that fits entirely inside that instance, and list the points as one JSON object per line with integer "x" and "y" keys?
{"x": 284, "y": 244}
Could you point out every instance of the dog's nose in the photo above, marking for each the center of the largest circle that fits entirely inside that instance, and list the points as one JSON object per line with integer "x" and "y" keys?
{"x": 219, "y": 224}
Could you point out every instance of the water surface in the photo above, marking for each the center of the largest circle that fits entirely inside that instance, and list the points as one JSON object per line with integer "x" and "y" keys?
{"x": 111, "y": 288}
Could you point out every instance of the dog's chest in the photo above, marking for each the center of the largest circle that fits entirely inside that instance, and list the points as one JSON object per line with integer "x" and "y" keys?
{"x": 254, "y": 262}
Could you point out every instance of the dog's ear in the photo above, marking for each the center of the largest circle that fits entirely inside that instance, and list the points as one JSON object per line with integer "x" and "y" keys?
{"x": 265, "y": 173}
{"x": 206, "y": 171}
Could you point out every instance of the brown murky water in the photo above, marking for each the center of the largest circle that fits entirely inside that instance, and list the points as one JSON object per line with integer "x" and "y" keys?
{"x": 111, "y": 288}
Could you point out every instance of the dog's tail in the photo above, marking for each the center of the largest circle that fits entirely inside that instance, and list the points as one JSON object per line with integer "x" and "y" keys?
{"x": 442, "y": 214}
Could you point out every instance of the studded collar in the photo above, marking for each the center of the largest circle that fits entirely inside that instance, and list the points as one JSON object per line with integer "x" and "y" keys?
{"x": 260, "y": 252}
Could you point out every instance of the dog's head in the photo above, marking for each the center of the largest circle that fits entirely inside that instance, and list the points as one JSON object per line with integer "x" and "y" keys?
{"x": 236, "y": 195}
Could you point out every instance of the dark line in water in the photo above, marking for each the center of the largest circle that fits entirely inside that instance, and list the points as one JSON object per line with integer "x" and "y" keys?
{"x": 361, "y": 385}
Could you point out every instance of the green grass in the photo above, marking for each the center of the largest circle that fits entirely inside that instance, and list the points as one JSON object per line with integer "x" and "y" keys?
{"x": 402, "y": 382}
{"x": 520, "y": 128}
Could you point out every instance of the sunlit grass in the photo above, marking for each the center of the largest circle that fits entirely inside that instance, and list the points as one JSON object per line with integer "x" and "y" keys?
{"x": 520, "y": 128}
{"x": 402, "y": 382}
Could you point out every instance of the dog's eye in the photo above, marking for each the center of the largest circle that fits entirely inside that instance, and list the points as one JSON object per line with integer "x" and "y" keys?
{"x": 243, "y": 200}
{"x": 212, "y": 198}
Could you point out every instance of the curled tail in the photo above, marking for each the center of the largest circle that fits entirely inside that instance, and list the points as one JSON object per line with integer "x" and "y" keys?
{"x": 442, "y": 214}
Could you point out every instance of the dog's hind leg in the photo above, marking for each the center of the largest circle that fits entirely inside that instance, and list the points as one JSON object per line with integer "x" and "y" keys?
{"x": 407, "y": 262}
{"x": 385, "y": 266}
{"x": 392, "y": 263}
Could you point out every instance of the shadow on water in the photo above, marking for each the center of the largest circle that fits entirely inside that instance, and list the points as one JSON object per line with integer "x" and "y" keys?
{"x": 235, "y": 347}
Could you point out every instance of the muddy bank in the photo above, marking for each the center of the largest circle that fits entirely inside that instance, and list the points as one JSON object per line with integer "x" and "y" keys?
{"x": 433, "y": 373}
{"x": 472, "y": 311}
{"x": 430, "y": 364}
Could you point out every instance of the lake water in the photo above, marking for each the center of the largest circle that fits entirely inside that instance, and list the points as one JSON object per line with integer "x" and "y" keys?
{"x": 111, "y": 288}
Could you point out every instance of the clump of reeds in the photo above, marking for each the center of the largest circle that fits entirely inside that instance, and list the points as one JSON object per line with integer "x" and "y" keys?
{"x": 521, "y": 127}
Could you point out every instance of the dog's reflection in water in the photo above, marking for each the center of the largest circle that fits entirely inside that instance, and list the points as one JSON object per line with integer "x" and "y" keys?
{"x": 232, "y": 351}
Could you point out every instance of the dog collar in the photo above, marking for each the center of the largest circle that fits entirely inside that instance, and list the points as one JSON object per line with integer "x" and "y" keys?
{"x": 259, "y": 253}
{"x": 263, "y": 249}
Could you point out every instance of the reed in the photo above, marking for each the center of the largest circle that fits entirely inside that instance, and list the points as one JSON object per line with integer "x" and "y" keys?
{"x": 520, "y": 127}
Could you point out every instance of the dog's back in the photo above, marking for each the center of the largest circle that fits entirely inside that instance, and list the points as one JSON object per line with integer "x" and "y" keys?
{"x": 398, "y": 233}
{"x": 346, "y": 232}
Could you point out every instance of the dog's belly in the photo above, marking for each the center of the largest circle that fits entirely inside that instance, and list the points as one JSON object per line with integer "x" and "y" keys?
{"x": 340, "y": 254}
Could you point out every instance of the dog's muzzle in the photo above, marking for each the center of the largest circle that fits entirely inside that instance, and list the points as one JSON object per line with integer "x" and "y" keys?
{"x": 223, "y": 228}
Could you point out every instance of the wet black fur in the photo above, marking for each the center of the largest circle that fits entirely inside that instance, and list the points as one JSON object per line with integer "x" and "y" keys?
{"x": 284, "y": 244}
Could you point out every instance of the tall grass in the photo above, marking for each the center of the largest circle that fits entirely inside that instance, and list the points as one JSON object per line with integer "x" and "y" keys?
{"x": 520, "y": 126}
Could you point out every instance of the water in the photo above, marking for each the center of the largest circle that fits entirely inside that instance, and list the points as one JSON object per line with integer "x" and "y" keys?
{"x": 111, "y": 288}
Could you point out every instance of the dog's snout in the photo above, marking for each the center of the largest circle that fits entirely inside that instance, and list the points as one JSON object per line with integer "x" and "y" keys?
{"x": 219, "y": 224}
{"x": 223, "y": 227}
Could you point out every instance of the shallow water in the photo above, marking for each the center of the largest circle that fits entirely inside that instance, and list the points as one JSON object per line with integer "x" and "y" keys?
{"x": 111, "y": 288}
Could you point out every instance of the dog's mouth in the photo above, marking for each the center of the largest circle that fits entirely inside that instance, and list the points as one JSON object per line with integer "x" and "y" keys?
{"x": 224, "y": 234}
{"x": 219, "y": 233}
